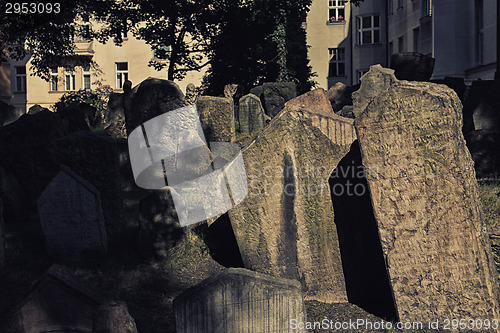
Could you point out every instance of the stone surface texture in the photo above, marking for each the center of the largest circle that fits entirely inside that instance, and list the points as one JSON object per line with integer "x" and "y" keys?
{"x": 95, "y": 158}
{"x": 71, "y": 217}
{"x": 425, "y": 199}
{"x": 57, "y": 302}
{"x": 113, "y": 317}
{"x": 191, "y": 94}
{"x": 151, "y": 98}
{"x": 339, "y": 95}
{"x": 274, "y": 95}
{"x": 412, "y": 66}
{"x": 251, "y": 116}
{"x": 239, "y": 300}
{"x": 315, "y": 100}
{"x": 217, "y": 118}
{"x": 285, "y": 226}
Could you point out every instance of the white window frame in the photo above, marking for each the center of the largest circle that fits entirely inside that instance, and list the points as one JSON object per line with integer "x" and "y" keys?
{"x": 335, "y": 10}
{"x": 372, "y": 29}
{"x": 20, "y": 79}
{"x": 54, "y": 79}
{"x": 336, "y": 59}
{"x": 121, "y": 75}
{"x": 69, "y": 79}
{"x": 86, "y": 74}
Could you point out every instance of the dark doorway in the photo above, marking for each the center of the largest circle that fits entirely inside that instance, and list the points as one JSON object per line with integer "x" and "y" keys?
{"x": 219, "y": 238}
{"x": 365, "y": 272}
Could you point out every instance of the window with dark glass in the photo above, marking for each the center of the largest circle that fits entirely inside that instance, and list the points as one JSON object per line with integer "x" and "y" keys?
{"x": 21, "y": 79}
{"x": 336, "y": 10}
{"x": 337, "y": 62}
{"x": 54, "y": 79}
{"x": 368, "y": 28}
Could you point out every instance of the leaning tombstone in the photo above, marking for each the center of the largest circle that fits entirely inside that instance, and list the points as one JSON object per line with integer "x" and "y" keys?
{"x": 239, "y": 300}
{"x": 251, "y": 114}
{"x": 425, "y": 200}
{"x": 286, "y": 222}
{"x": 315, "y": 99}
{"x": 71, "y": 217}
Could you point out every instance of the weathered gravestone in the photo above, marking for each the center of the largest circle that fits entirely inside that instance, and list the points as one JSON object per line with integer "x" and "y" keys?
{"x": 315, "y": 100}
{"x": 239, "y": 300}
{"x": 217, "y": 118}
{"x": 274, "y": 95}
{"x": 96, "y": 158}
{"x": 251, "y": 114}
{"x": 71, "y": 217}
{"x": 412, "y": 66}
{"x": 285, "y": 226}
{"x": 113, "y": 118}
{"x": 151, "y": 98}
{"x": 191, "y": 94}
{"x": 339, "y": 96}
{"x": 113, "y": 317}
{"x": 57, "y": 302}
{"x": 426, "y": 203}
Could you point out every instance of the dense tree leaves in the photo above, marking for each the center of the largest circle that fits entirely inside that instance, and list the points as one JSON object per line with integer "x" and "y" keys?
{"x": 261, "y": 40}
{"x": 245, "y": 41}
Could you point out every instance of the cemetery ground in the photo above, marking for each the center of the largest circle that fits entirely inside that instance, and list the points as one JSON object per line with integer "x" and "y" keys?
{"x": 149, "y": 287}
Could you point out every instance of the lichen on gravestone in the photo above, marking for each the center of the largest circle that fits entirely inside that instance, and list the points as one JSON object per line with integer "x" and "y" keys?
{"x": 425, "y": 199}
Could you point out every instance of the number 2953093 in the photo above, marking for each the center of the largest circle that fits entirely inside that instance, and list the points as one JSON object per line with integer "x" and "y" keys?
{"x": 32, "y": 8}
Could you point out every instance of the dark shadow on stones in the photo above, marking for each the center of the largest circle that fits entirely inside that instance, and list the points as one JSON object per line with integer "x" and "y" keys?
{"x": 365, "y": 272}
{"x": 220, "y": 239}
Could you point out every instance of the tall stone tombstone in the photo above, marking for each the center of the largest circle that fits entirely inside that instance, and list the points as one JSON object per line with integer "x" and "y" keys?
{"x": 251, "y": 114}
{"x": 285, "y": 226}
{"x": 151, "y": 98}
{"x": 217, "y": 118}
{"x": 274, "y": 95}
{"x": 71, "y": 217}
{"x": 425, "y": 200}
{"x": 239, "y": 300}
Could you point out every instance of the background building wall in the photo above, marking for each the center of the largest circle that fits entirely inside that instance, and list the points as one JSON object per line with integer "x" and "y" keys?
{"x": 322, "y": 35}
{"x": 367, "y": 55}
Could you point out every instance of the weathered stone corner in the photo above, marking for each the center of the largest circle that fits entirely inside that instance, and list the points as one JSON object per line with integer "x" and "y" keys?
{"x": 377, "y": 80}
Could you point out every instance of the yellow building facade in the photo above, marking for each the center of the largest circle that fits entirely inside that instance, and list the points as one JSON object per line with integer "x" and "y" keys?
{"x": 115, "y": 65}
{"x": 328, "y": 26}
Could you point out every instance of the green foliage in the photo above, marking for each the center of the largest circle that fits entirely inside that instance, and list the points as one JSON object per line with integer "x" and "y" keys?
{"x": 47, "y": 38}
{"x": 97, "y": 98}
{"x": 260, "y": 41}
